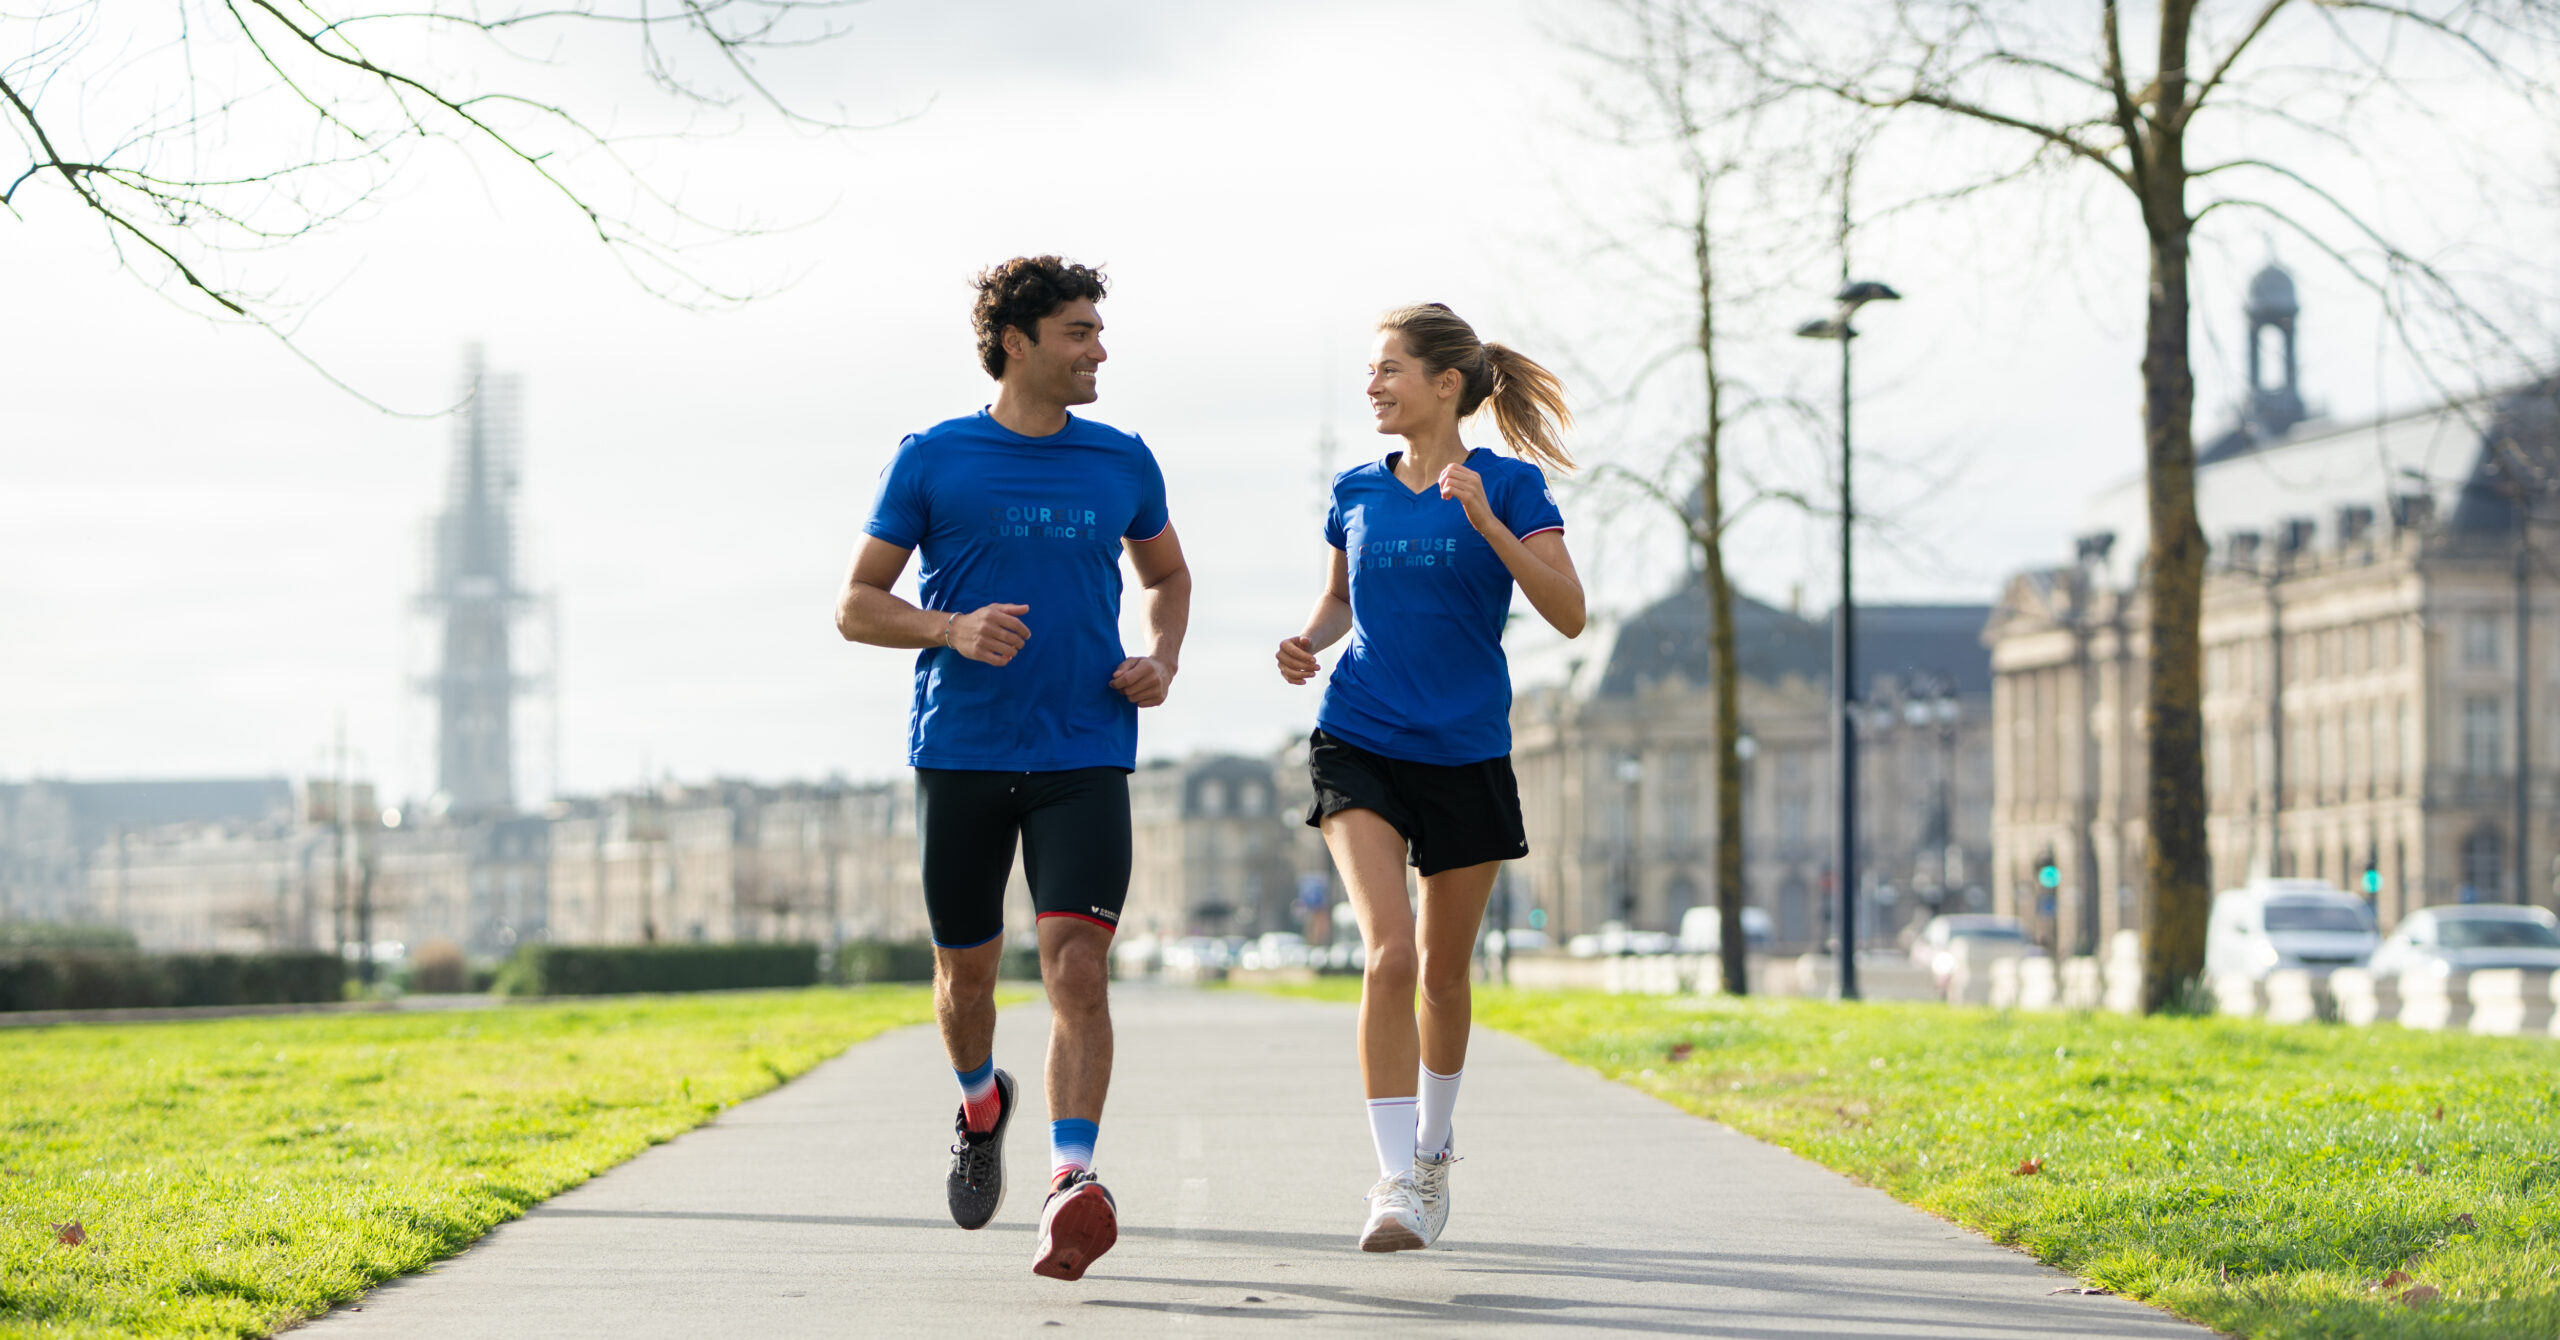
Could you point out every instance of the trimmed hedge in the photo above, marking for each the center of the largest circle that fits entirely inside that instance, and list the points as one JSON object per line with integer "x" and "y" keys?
{"x": 859, "y": 961}
{"x": 77, "y": 979}
{"x": 600, "y": 970}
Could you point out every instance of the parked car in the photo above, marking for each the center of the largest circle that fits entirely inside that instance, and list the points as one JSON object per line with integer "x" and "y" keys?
{"x": 2462, "y": 937}
{"x": 1945, "y": 940}
{"x": 1274, "y": 949}
{"x": 2287, "y": 923}
{"x": 1938, "y": 932}
{"x": 1614, "y": 938}
{"x": 1702, "y": 930}
{"x": 1520, "y": 941}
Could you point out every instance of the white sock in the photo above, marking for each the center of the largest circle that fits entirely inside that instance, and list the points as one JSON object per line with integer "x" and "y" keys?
{"x": 1391, "y": 1126}
{"x": 1439, "y": 1105}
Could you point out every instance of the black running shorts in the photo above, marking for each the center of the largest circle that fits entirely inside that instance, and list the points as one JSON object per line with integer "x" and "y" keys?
{"x": 1074, "y": 828}
{"x": 1451, "y": 816}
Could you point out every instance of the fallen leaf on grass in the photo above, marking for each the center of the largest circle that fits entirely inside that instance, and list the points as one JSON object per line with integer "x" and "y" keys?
{"x": 2391, "y": 1281}
{"x": 2422, "y": 1169}
{"x": 2027, "y": 1168}
{"x": 1680, "y": 1050}
{"x": 2465, "y": 1223}
{"x": 2089, "y": 1290}
{"x": 2420, "y": 1293}
{"x": 70, "y": 1234}
{"x": 2439, "y": 1116}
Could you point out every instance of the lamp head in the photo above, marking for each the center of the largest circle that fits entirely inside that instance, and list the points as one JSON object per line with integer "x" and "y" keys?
{"x": 1829, "y": 329}
{"x": 1858, "y": 294}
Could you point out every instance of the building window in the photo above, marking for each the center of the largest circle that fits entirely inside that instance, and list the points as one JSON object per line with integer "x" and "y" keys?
{"x": 2333, "y": 753}
{"x": 2483, "y": 864}
{"x": 1213, "y": 798}
{"x": 2480, "y": 641}
{"x": 1679, "y": 795}
{"x": 2372, "y": 770}
{"x": 2406, "y": 732}
{"x": 2483, "y": 740}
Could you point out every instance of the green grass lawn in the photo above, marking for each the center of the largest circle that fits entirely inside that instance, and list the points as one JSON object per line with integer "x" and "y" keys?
{"x": 2253, "y": 1177}
{"x": 232, "y": 1176}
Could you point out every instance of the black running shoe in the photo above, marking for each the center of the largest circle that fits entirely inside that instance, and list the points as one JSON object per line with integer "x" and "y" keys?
{"x": 977, "y": 1162}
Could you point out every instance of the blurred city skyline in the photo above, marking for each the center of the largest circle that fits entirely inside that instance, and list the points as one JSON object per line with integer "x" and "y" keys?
{"x": 208, "y": 554}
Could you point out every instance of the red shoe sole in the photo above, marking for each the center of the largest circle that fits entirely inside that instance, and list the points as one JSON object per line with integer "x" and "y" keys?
{"x": 1083, "y": 1229}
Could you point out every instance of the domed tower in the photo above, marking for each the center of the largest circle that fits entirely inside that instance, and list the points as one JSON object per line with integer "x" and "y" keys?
{"x": 2273, "y": 410}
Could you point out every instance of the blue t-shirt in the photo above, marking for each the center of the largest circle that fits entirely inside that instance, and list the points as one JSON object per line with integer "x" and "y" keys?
{"x": 1000, "y": 518}
{"x": 1425, "y": 679}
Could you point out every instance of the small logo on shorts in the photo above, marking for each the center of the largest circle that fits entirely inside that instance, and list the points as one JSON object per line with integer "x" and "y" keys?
{"x": 1107, "y": 915}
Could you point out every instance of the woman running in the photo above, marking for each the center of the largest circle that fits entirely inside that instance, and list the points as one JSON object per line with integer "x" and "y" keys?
{"x": 1412, "y": 750}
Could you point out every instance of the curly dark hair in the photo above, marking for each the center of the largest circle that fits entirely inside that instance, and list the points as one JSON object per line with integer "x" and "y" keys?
{"x": 1019, "y": 292}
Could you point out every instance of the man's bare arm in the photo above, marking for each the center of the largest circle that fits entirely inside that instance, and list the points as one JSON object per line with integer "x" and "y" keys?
{"x": 869, "y": 612}
{"x": 1145, "y": 680}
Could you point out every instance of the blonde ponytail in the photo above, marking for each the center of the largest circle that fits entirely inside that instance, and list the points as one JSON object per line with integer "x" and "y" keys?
{"x": 1528, "y": 407}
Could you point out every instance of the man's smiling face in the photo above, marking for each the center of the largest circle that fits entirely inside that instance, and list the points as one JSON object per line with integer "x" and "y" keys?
{"x": 1062, "y": 365}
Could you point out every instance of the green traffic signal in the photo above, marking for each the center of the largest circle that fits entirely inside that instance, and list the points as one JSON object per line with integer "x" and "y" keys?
{"x": 2050, "y": 876}
{"x": 2372, "y": 880}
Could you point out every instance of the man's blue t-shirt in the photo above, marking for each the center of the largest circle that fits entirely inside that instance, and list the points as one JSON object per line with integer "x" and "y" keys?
{"x": 1000, "y": 518}
{"x": 1425, "y": 679}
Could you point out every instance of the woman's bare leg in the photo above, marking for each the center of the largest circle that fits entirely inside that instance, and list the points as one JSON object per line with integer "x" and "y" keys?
{"x": 1370, "y": 853}
{"x": 1452, "y": 914}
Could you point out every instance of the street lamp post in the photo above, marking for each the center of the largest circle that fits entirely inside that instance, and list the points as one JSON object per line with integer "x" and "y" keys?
{"x": 1931, "y": 702}
{"x": 1844, "y": 646}
{"x": 1630, "y": 778}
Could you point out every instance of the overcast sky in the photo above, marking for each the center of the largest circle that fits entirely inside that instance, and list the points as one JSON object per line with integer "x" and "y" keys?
{"x": 208, "y": 554}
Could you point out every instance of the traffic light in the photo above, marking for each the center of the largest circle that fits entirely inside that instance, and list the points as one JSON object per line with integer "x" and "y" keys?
{"x": 2048, "y": 874}
{"x": 2372, "y": 873}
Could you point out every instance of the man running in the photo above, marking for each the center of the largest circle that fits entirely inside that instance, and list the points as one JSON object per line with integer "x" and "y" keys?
{"x": 1025, "y": 720}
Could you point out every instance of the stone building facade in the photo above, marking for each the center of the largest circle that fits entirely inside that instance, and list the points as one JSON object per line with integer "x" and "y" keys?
{"x": 2381, "y": 643}
{"x": 1212, "y": 848}
{"x": 1613, "y": 738}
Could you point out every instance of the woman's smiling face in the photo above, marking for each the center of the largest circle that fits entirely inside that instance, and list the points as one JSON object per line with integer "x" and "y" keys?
{"x": 1403, "y": 396}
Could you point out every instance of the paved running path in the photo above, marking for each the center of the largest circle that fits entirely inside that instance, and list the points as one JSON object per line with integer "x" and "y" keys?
{"x": 1236, "y": 1146}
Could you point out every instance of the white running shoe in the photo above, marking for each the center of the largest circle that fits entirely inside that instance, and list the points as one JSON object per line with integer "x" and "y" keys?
{"x": 1431, "y": 1192}
{"x": 1395, "y": 1217}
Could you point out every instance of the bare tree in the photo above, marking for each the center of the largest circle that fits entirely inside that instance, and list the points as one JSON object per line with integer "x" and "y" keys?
{"x": 198, "y": 130}
{"x": 2250, "y": 106}
{"x": 1675, "y": 90}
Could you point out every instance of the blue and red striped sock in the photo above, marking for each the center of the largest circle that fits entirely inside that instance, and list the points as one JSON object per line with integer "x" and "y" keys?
{"x": 1070, "y": 1146}
{"x": 978, "y": 1099}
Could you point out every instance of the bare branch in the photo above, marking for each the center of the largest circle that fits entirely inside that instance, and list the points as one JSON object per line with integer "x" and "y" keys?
{"x": 2222, "y": 68}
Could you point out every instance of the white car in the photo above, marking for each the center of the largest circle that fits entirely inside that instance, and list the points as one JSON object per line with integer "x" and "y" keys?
{"x": 1956, "y": 936}
{"x": 1941, "y": 931}
{"x": 1614, "y": 938}
{"x": 2287, "y": 923}
{"x": 1702, "y": 930}
{"x": 2462, "y": 937}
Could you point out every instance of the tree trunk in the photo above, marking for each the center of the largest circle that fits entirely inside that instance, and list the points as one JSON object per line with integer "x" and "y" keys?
{"x": 1729, "y": 885}
{"x": 1709, "y": 530}
{"x": 2176, "y": 871}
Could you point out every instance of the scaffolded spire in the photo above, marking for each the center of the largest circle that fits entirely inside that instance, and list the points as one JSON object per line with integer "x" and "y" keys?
{"x": 472, "y": 588}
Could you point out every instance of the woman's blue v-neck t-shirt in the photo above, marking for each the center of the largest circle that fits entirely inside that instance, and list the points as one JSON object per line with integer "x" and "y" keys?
{"x": 1425, "y": 679}
{"x": 1000, "y": 518}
